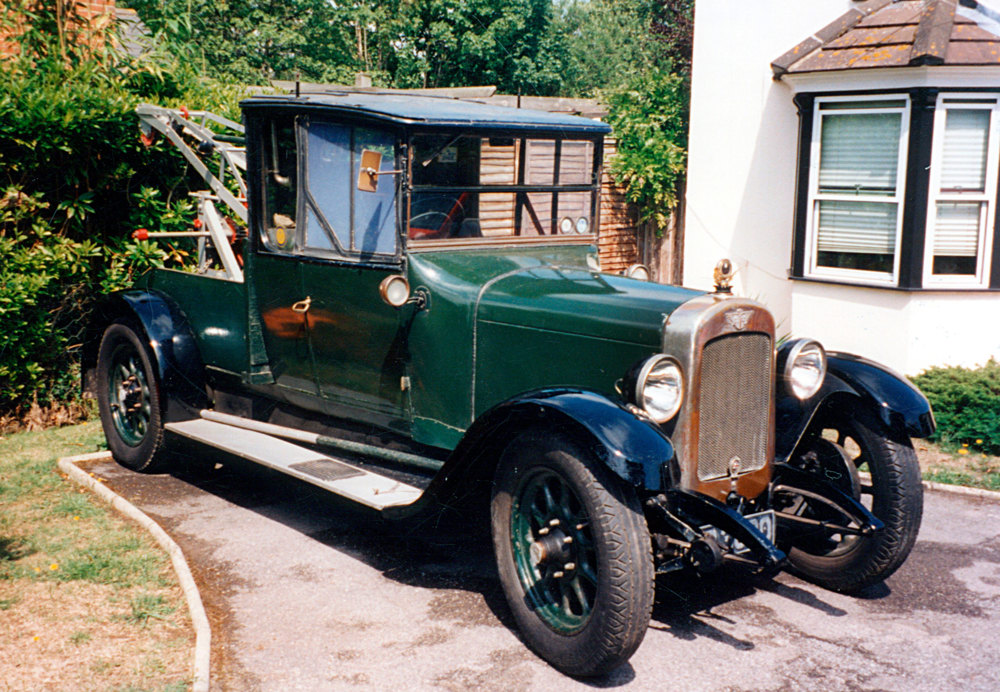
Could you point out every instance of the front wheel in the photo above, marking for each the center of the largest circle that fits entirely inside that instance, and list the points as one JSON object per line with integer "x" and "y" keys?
{"x": 892, "y": 492}
{"x": 573, "y": 553}
{"x": 129, "y": 399}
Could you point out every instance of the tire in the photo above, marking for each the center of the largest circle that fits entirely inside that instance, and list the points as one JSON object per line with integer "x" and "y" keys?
{"x": 583, "y": 605}
{"x": 894, "y": 494}
{"x": 129, "y": 399}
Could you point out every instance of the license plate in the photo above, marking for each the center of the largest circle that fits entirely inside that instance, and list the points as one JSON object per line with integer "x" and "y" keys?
{"x": 762, "y": 521}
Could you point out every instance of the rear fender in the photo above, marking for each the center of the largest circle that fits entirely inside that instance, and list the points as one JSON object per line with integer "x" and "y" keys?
{"x": 180, "y": 370}
{"x": 853, "y": 382}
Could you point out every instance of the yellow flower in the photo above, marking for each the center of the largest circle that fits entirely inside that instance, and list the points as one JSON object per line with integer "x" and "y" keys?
{"x": 963, "y": 451}
{"x": 965, "y": 444}
{"x": 53, "y": 566}
{"x": 76, "y": 518}
{"x": 979, "y": 442}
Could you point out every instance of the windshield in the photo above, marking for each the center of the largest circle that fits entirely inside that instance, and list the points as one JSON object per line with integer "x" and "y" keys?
{"x": 470, "y": 187}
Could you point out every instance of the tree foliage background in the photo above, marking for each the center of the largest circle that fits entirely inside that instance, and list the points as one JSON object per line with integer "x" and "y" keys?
{"x": 74, "y": 181}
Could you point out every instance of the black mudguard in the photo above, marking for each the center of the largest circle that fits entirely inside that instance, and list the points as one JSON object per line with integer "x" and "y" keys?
{"x": 180, "y": 370}
{"x": 632, "y": 447}
{"x": 852, "y": 382}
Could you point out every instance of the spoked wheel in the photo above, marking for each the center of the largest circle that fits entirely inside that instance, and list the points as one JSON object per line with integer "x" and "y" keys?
{"x": 129, "y": 399}
{"x": 573, "y": 553}
{"x": 893, "y": 493}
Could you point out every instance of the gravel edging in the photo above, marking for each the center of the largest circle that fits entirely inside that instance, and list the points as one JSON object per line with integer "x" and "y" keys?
{"x": 203, "y": 632}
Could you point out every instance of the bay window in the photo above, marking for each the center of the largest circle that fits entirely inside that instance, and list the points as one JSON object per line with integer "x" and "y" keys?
{"x": 899, "y": 189}
{"x": 963, "y": 185}
{"x": 857, "y": 188}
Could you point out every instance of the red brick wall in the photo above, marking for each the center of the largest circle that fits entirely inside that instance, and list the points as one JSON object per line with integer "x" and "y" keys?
{"x": 86, "y": 10}
{"x": 617, "y": 243}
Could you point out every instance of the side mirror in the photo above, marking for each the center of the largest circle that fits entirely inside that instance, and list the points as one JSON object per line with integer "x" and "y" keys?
{"x": 371, "y": 162}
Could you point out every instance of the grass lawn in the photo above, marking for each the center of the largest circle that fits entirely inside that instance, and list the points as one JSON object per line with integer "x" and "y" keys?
{"x": 87, "y": 600}
{"x": 958, "y": 465}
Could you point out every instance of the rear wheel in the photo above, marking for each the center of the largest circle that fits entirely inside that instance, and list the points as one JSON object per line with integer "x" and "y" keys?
{"x": 893, "y": 493}
{"x": 129, "y": 399}
{"x": 573, "y": 553}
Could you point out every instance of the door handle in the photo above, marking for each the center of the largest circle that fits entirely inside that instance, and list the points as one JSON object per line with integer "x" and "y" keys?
{"x": 302, "y": 305}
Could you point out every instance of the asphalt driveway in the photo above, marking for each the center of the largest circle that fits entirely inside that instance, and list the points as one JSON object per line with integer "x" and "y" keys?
{"x": 308, "y": 592}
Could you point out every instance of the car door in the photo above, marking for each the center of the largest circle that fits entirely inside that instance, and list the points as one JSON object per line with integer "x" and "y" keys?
{"x": 351, "y": 243}
{"x": 276, "y": 278}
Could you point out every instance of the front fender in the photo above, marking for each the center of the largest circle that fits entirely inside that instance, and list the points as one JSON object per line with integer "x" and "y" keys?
{"x": 856, "y": 382}
{"x": 175, "y": 352}
{"x": 633, "y": 448}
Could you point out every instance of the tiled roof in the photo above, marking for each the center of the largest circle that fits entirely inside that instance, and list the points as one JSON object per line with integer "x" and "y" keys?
{"x": 899, "y": 33}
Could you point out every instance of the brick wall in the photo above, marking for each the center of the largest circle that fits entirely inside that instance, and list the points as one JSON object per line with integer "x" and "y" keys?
{"x": 87, "y": 11}
{"x": 617, "y": 242}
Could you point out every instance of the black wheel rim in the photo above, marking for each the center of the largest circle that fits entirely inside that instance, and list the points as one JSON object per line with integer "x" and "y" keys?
{"x": 128, "y": 394}
{"x": 554, "y": 551}
{"x": 853, "y": 446}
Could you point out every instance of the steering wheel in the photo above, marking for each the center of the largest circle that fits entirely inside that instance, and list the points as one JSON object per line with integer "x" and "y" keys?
{"x": 435, "y": 223}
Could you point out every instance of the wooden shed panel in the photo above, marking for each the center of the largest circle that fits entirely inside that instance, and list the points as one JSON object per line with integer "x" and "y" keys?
{"x": 496, "y": 213}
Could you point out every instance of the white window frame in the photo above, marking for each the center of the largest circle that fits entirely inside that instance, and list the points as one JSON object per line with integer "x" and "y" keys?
{"x": 984, "y": 247}
{"x": 812, "y": 269}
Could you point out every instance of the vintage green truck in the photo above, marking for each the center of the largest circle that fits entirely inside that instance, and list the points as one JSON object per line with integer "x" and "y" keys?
{"x": 415, "y": 316}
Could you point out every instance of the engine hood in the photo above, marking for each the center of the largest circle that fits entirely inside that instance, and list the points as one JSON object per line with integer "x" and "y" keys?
{"x": 574, "y": 300}
{"x": 552, "y": 289}
{"x": 502, "y": 321}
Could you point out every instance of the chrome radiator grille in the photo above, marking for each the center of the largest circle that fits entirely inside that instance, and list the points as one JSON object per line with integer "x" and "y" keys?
{"x": 734, "y": 393}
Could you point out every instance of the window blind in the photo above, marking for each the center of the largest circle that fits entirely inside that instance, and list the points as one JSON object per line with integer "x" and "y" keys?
{"x": 860, "y": 152}
{"x": 956, "y": 229}
{"x": 856, "y": 227}
{"x": 963, "y": 156}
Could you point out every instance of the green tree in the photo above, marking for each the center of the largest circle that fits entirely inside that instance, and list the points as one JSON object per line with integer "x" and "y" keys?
{"x": 401, "y": 43}
{"x": 254, "y": 41}
{"x": 507, "y": 43}
{"x": 649, "y": 117}
{"x": 612, "y": 42}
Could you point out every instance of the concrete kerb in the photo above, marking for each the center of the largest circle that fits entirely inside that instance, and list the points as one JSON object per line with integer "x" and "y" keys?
{"x": 203, "y": 632}
{"x": 990, "y": 495}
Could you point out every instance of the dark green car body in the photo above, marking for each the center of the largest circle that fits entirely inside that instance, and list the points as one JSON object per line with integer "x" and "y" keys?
{"x": 420, "y": 284}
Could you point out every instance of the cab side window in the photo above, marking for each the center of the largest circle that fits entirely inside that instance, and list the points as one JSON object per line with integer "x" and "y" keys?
{"x": 328, "y": 204}
{"x": 280, "y": 168}
{"x": 341, "y": 219}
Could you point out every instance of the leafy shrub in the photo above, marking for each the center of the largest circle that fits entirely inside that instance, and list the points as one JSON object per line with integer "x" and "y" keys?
{"x": 649, "y": 117}
{"x": 966, "y": 404}
{"x": 74, "y": 183}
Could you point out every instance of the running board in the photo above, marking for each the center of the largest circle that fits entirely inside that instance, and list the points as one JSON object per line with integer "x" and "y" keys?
{"x": 330, "y": 473}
